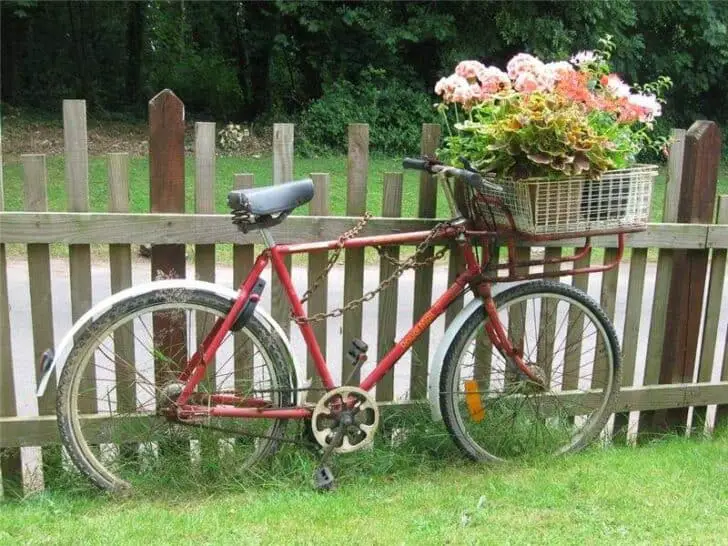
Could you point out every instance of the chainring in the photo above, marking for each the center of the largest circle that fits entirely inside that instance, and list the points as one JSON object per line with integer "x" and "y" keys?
{"x": 348, "y": 414}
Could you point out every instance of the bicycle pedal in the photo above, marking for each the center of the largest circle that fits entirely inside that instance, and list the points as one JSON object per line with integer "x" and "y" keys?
{"x": 323, "y": 479}
{"x": 357, "y": 353}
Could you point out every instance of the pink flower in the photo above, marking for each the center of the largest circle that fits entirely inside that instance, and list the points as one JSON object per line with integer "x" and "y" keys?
{"x": 493, "y": 80}
{"x": 527, "y": 83}
{"x": 447, "y": 88}
{"x": 468, "y": 69}
{"x": 523, "y": 62}
{"x": 559, "y": 70}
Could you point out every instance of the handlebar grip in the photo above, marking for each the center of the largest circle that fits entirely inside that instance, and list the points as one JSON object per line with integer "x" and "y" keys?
{"x": 417, "y": 164}
{"x": 474, "y": 179}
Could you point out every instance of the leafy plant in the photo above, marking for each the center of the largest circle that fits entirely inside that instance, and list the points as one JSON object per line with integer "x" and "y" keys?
{"x": 555, "y": 119}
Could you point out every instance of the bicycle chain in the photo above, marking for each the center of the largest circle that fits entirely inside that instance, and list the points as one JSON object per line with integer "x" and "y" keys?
{"x": 400, "y": 267}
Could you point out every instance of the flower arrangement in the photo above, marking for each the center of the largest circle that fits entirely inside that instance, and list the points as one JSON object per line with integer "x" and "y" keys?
{"x": 550, "y": 120}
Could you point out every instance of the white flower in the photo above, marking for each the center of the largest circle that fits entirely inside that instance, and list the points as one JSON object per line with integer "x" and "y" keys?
{"x": 617, "y": 87}
{"x": 584, "y": 57}
{"x": 649, "y": 105}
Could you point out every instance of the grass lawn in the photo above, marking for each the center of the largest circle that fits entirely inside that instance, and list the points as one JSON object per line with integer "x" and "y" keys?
{"x": 226, "y": 167}
{"x": 673, "y": 491}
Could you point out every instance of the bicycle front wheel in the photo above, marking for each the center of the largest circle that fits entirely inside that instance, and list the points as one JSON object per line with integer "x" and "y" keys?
{"x": 494, "y": 412}
{"x": 117, "y": 392}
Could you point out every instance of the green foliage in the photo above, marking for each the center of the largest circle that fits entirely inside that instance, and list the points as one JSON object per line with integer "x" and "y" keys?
{"x": 394, "y": 111}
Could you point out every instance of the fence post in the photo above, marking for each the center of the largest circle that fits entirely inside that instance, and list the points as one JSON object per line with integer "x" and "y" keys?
{"x": 712, "y": 309}
{"x": 685, "y": 299}
{"x": 427, "y": 208}
{"x": 356, "y": 202}
{"x": 11, "y": 467}
{"x": 317, "y": 261}
{"x": 282, "y": 172}
{"x": 167, "y": 194}
{"x": 387, "y": 323}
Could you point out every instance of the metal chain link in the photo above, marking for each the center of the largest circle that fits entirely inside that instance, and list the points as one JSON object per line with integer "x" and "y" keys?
{"x": 401, "y": 266}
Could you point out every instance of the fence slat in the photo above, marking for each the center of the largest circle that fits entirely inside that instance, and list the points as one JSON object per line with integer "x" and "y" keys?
{"x": 574, "y": 329}
{"x": 607, "y": 299}
{"x": 243, "y": 258}
{"x": 387, "y": 323}
{"x": 455, "y": 266}
{"x": 663, "y": 276}
{"x": 205, "y": 204}
{"x": 547, "y": 320}
{"x": 11, "y": 466}
{"x": 39, "y": 273}
{"x": 79, "y": 256}
{"x": 282, "y": 172}
{"x": 120, "y": 274}
{"x": 356, "y": 202}
{"x": 632, "y": 317}
{"x": 318, "y": 302}
{"x": 713, "y": 306}
{"x": 427, "y": 208}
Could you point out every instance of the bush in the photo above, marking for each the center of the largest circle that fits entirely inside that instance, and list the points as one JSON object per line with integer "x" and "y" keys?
{"x": 394, "y": 111}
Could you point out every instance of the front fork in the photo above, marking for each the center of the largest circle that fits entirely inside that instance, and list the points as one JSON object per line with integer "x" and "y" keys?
{"x": 499, "y": 337}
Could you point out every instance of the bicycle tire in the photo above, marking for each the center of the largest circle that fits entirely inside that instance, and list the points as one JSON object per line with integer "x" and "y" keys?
{"x": 501, "y": 436}
{"x": 85, "y": 452}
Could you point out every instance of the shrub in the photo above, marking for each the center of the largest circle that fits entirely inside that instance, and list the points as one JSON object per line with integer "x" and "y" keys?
{"x": 394, "y": 111}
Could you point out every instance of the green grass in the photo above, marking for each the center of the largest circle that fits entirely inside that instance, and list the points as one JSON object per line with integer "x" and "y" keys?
{"x": 673, "y": 491}
{"x": 226, "y": 167}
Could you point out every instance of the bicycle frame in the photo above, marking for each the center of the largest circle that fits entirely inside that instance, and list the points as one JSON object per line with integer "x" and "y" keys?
{"x": 472, "y": 276}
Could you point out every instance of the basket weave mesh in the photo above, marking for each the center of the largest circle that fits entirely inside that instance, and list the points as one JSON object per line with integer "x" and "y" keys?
{"x": 619, "y": 200}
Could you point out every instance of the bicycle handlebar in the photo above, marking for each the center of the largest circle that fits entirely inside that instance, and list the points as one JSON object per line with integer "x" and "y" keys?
{"x": 472, "y": 178}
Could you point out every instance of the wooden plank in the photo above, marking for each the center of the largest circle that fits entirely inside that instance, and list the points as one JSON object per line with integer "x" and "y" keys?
{"x": 712, "y": 309}
{"x": 317, "y": 261}
{"x": 630, "y": 336}
{"x": 663, "y": 279}
{"x": 42, "y": 430}
{"x": 685, "y": 299}
{"x": 282, "y": 172}
{"x": 455, "y": 266}
{"x": 243, "y": 259}
{"x": 674, "y": 169}
{"x": 103, "y": 228}
{"x": 356, "y": 203}
{"x": 120, "y": 272}
{"x": 205, "y": 204}
{"x": 167, "y": 177}
{"x": 607, "y": 299}
{"x": 426, "y": 208}
{"x": 167, "y": 194}
{"x": 39, "y": 275}
{"x": 575, "y": 330}
{"x": 79, "y": 256}
{"x": 11, "y": 466}
{"x": 387, "y": 320}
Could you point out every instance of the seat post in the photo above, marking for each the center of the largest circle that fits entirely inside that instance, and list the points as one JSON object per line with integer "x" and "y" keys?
{"x": 267, "y": 238}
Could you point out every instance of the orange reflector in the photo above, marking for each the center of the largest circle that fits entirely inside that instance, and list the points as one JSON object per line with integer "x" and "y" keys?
{"x": 472, "y": 399}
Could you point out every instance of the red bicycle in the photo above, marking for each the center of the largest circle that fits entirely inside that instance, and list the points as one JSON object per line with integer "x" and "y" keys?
{"x": 187, "y": 367}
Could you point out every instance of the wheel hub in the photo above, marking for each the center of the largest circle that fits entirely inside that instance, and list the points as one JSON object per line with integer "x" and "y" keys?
{"x": 345, "y": 419}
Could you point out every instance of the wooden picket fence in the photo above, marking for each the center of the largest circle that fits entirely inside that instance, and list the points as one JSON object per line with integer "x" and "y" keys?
{"x": 684, "y": 351}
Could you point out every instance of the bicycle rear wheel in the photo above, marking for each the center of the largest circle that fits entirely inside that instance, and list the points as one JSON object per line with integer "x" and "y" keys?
{"x": 121, "y": 377}
{"x": 495, "y": 413}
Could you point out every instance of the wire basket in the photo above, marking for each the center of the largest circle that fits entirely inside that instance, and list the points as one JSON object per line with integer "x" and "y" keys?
{"x": 618, "y": 201}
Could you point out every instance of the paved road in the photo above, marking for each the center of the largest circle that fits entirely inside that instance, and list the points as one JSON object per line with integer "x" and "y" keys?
{"x": 22, "y": 332}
